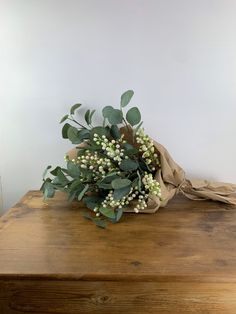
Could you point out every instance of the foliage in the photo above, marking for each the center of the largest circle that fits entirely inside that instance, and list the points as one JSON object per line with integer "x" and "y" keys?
{"x": 115, "y": 164}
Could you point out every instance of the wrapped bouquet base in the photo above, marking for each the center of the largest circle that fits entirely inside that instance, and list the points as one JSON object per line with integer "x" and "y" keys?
{"x": 173, "y": 181}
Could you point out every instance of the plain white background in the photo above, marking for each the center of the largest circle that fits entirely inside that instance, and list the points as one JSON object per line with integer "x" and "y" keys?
{"x": 178, "y": 56}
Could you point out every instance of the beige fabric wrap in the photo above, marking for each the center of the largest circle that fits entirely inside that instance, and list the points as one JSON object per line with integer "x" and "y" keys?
{"x": 172, "y": 180}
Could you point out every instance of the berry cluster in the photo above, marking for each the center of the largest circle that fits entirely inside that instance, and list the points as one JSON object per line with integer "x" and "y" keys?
{"x": 98, "y": 166}
{"x": 151, "y": 185}
{"x": 112, "y": 148}
{"x": 146, "y": 147}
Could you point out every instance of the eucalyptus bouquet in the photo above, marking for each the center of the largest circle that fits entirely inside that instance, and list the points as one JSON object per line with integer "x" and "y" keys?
{"x": 114, "y": 165}
{"x": 117, "y": 168}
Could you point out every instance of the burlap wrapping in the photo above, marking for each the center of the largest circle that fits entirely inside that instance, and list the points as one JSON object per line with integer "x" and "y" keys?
{"x": 172, "y": 180}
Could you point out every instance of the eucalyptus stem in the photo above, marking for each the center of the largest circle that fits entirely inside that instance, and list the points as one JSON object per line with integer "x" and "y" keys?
{"x": 81, "y": 125}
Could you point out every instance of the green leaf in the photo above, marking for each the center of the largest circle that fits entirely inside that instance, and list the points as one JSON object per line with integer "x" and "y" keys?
{"x": 108, "y": 212}
{"x": 73, "y": 135}
{"x": 143, "y": 165}
{"x": 106, "y": 111}
{"x": 46, "y": 171}
{"x": 138, "y": 127}
{"x": 64, "y": 118}
{"x": 91, "y": 115}
{"x": 100, "y": 131}
{"x": 119, "y": 193}
{"x": 119, "y": 214}
{"x": 120, "y": 183}
{"x": 139, "y": 181}
{"x": 65, "y": 130}
{"x": 133, "y": 116}
{"x": 92, "y": 201}
{"x": 115, "y": 132}
{"x": 55, "y": 170}
{"x": 48, "y": 190}
{"x": 128, "y": 165}
{"x": 60, "y": 178}
{"x": 74, "y": 107}
{"x": 128, "y": 146}
{"x": 126, "y": 97}
{"x": 105, "y": 183}
{"x": 71, "y": 195}
{"x": 81, "y": 194}
{"x": 110, "y": 177}
{"x": 73, "y": 169}
{"x": 83, "y": 134}
{"x": 86, "y": 116}
{"x": 76, "y": 186}
{"x": 115, "y": 116}
{"x": 131, "y": 152}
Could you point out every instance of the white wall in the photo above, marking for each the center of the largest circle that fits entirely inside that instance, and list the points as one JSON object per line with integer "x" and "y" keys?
{"x": 178, "y": 56}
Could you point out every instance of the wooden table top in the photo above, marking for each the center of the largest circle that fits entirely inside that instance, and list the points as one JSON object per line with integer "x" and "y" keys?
{"x": 187, "y": 240}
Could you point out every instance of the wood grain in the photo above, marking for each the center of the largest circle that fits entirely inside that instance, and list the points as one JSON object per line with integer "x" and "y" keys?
{"x": 180, "y": 260}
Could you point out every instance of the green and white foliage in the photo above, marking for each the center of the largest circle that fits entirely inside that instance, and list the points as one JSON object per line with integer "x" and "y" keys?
{"x": 115, "y": 165}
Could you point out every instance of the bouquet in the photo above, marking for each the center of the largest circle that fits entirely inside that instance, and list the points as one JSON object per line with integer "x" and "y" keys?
{"x": 117, "y": 168}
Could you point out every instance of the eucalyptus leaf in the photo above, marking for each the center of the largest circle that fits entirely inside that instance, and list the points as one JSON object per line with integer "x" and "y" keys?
{"x": 133, "y": 116}
{"x": 76, "y": 186}
{"x": 131, "y": 152}
{"x": 71, "y": 195}
{"x": 86, "y": 116}
{"x": 81, "y": 194}
{"x": 143, "y": 165}
{"x": 83, "y": 134}
{"x": 110, "y": 177}
{"x": 120, "y": 183}
{"x": 100, "y": 131}
{"x": 73, "y": 135}
{"x": 60, "y": 179}
{"x": 65, "y": 130}
{"x": 73, "y": 169}
{"x": 115, "y": 132}
{"x": 74, "y": 107}
{"x": 115, "y": 116}
{"x": 91, "y": 116}
{"x": 119, "y": 214}
{"x": 104, "y": 185}
{"x": 98, "y": 221}
{"x": 139, "y": 181}
{"x": 128, "y": 165}
{"x": 126, "y": 97}
{"x": 92, "y": 201}
{"x": 128, "y": 146}
{"x": 120, "y": 193}
{"x": 64, "y": 118}
{"x": 108, "y": 212}
{"x": 106, "y": 111}
{"x": 48, "y": 190}
{"x": 55, "y": 170}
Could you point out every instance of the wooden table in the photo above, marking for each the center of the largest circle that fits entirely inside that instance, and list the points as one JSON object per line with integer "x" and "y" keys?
{"x": 180, "y": 260}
